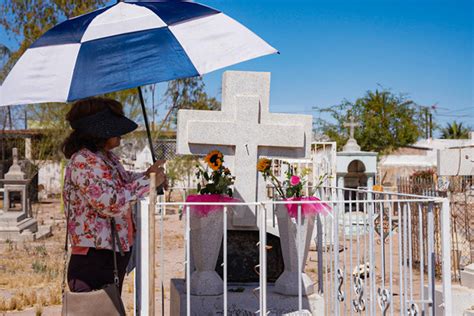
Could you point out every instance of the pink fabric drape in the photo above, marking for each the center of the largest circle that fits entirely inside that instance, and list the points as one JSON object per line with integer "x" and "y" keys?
{"x": 204, "y": 210}
{"x": 307, "y": 209}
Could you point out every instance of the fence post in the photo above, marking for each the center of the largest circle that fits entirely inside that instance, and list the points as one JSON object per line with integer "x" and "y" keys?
{"x": 319, "y": 246}
{"x": 151, "y": 244}
{"x": 446, "y": 255}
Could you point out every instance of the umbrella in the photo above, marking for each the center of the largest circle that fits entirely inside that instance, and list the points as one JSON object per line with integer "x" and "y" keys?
{"x": 127, "y": 45}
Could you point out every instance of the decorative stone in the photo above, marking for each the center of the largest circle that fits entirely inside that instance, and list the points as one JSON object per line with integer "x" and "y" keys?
{"x": 206, "y": 239}
{"x": 287, "y": 283}
{"x": 243, "y": 130}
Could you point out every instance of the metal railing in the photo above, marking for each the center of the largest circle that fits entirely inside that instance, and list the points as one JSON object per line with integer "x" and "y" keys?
{"x": 363, "y": 254}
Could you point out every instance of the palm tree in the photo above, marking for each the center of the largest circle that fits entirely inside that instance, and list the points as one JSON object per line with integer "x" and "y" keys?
{"x": 454, "y": 130}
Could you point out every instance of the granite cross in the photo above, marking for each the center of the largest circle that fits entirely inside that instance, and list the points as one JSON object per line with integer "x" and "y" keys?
{"x": 352, "y": 125}
{"x": 245, "y": 129}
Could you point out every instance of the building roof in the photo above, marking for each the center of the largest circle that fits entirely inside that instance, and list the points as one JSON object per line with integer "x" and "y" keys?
{"x": 20, "y": 133}
{"x": 436, "y": 143}
{"x": 408, "y": 160}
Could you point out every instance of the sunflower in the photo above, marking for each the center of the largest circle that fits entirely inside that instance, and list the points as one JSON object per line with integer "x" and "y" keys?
{"x": 264, "y": 164}
{"x": 377, "y": 188}
{"x": 214, "y": 159}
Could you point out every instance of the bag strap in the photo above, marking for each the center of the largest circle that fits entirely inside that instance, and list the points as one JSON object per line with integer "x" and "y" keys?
{"x": 63, "y": 284}
{"x": 114, "y": 236}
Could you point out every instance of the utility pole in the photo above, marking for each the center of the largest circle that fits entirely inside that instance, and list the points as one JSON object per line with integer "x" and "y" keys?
{"x": 431, "y": 125}
{"x": 26, "y": 119}
{"x": 9, "y": 111}
{"x": 426, "y": 124}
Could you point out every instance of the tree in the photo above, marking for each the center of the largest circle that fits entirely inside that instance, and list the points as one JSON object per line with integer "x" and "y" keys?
{"x": 387, "y": 121}
{"x": 6, "y": 111}
{"x": 180, "y": 169}
{"x": 454, "y": 130}
{"x": 25, "y": 21}
{"x": 188, "y": 93}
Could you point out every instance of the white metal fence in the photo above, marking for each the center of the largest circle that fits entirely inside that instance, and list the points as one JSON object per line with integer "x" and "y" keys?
{"x": 365, "y": 254}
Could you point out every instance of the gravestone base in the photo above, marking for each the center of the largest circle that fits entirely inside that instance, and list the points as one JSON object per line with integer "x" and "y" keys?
{"x": 241, "y": 300}
{"x": 462, "y": 298}
{"x": 467, "y": 276}
{"x": 16, "y": 226}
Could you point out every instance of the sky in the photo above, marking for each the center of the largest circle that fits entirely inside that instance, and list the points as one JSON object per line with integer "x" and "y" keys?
{"x": 336, "y": 50}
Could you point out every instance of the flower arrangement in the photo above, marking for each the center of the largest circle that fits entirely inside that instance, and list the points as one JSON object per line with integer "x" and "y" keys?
{"x": 291, "y": 188}
{"x": 215, "y": 184}
{"x": 427, "y": 174}
{"x": 220, "y": 180}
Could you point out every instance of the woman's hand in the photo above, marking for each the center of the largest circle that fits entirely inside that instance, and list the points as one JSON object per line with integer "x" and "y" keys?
{"x": 156, "y": 167}
{"x": 159, "y": 171}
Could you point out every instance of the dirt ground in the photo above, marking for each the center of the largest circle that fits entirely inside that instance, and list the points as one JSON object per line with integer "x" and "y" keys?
{"x": 31, "y": 272}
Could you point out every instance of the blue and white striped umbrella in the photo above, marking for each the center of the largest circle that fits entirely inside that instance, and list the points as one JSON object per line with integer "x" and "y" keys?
{"x": 126, "y": 45}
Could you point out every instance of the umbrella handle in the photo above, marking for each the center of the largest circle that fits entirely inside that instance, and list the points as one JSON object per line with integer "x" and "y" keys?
{"x": 159, "y": 190}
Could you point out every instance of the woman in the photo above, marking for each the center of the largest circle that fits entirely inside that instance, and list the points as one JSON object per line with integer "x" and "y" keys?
{"x": 97, "y": 189}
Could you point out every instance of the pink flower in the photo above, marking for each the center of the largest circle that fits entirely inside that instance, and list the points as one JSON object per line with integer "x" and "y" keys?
{"x": 94, "y": 191}
{"x": 295, "y": 180}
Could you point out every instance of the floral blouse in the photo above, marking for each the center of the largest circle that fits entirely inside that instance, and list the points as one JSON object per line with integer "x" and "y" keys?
{"x": 97, "y": 187}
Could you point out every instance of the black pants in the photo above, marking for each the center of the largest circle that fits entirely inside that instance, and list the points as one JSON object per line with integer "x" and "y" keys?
{"x": 95, "y": 270}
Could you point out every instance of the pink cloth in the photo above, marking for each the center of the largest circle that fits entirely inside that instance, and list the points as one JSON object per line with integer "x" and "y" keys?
{"x": 307, "y": 209}
{"x": 204, "y": 210}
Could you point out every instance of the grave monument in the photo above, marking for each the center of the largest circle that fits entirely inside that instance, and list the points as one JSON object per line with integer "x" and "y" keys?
{"x": 16, "y": 223}
{"x": 244, "y": 130}
{"x": 354, "y": 167}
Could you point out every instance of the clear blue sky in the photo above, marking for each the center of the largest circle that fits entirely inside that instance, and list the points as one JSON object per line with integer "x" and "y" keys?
{"x": 335, "y": 50}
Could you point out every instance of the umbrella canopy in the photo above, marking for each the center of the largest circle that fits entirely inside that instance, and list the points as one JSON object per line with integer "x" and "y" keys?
{"x": 126, "y": 45}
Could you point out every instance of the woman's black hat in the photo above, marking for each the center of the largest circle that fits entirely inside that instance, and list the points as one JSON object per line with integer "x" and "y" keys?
{"x": 104, "y": 124}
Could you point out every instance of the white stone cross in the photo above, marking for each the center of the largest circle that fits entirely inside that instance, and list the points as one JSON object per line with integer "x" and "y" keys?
{"x": 352, "y": 125}
{"x": 245, "y": 130}
{"x": 15, "y": 173}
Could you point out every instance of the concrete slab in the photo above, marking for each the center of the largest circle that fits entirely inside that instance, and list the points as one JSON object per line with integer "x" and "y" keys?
{"x": 242, "y": 300}
{"x": 467, "y": 277}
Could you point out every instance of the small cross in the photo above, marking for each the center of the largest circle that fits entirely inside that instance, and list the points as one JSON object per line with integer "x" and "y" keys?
{"x": 352, "y": 125}
{"x": 15, "y": 156}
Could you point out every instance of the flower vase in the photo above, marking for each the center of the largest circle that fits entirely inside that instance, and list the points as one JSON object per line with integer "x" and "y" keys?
{"x": 206, "y": 239}
{"x": 287, "y": 283}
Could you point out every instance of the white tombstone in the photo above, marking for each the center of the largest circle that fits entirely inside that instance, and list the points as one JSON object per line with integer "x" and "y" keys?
{"x": 143, "y": 160}
{"x": 456, "y": 161}
{"x": 245, "y": 130}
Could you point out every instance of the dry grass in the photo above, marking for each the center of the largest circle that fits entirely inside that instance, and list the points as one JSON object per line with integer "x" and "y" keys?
{"x": 31, "y": 272}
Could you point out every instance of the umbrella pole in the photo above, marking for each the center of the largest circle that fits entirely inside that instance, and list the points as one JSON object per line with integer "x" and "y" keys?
{"x": 147, "y": 125}
{"x": 158, "y": 191}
